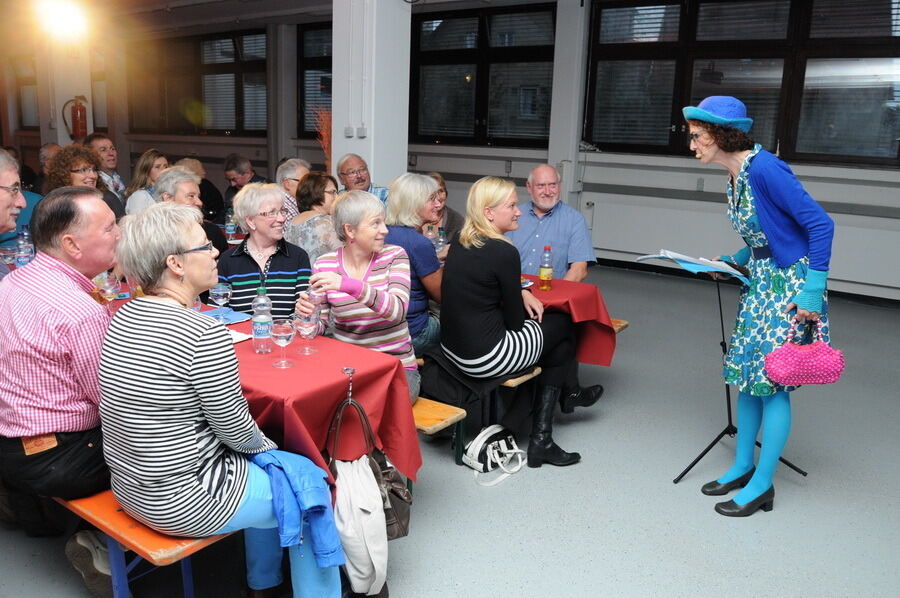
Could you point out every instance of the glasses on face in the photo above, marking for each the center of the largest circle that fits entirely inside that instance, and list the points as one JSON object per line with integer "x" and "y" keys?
{"x": 435, "y": 197}
{"x": 695, "y": 136}
{"x": 290, "y": 178}
{"x": 84, "y": 170}
{"x": 273, "y": 214}
{"x": 13, "y": 189}
{"x": 206, "y": 247}
{"x": 356, "y": 172}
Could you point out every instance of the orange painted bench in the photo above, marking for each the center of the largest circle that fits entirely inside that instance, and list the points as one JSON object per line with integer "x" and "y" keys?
{"x": 124, "y": 532}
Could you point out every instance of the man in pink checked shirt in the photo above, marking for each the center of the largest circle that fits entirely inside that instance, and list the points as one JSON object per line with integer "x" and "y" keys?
{"x": 50, "y": 441}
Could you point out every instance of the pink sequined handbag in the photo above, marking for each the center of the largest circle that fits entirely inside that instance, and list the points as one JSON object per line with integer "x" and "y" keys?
{"x": 793, "y": 365}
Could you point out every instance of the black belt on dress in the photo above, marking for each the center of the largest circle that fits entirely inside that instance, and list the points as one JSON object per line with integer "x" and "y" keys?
{"x": 761, "y": 253}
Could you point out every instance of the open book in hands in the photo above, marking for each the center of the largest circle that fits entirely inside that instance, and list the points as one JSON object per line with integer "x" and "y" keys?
{"x": 697, "y": 264}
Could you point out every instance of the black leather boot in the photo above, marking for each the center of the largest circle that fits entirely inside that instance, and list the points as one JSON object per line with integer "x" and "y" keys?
{"x": 580, "y": 397}
{"x": 541, "y": 448}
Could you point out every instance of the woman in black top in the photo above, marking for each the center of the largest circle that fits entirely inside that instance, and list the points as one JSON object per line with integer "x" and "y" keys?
{"x": 484, "y": 328}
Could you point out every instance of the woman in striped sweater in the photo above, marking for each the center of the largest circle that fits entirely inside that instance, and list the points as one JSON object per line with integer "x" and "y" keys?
{"x": 366, "y": 284}
{"x": 490, "y": 326}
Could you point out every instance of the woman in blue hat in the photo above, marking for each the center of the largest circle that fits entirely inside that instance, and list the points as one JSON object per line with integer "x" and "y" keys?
{"x": 787, "y": 238}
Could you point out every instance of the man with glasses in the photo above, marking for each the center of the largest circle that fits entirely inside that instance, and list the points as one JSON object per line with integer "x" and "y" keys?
{"x": 353, "y": 173}
{"x": 288, "y": 176}
{"x": 239, "y": 172}
{"x": 547, "y": 221}
{"x": 12, "y": 201}
{"x": 109, "y": 159}
{"x": 53, "y": 329}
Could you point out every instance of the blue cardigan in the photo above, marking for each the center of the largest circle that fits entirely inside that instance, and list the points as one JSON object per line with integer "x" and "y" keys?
{"x": 794, "y": 224}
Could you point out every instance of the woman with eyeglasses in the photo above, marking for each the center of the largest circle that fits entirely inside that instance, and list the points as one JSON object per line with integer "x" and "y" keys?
{"x": 313, "y": 228}
{"x": 141, "y": 194}
{"x": 79, "y": 166}
{"x": 446, "y": 217}
{"x": 171, "y": 370}
{"x": 264, "y": 258}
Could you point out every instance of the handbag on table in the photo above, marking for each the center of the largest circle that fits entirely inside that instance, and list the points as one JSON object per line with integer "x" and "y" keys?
{"x": 792, "y": 364}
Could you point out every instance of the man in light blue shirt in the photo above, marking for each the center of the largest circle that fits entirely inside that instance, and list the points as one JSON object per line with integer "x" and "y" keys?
{"x": 353, "y": 172}
{"x": 547, "y": 221}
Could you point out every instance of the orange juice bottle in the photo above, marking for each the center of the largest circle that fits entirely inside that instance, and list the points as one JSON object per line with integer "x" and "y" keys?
{"x": 545, "y": 272}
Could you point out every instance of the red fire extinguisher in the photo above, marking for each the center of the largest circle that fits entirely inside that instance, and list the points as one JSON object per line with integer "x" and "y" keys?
{"x": 78, "y": 128}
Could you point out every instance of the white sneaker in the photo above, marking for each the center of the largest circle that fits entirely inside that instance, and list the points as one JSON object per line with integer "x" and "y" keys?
{"x": 87, "y": 552}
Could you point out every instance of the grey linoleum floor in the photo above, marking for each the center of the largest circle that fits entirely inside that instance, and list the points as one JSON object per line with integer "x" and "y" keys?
{"x": 615, "y": 524}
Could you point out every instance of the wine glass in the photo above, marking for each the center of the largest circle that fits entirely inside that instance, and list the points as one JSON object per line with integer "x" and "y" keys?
{"x": 220, "y": 294}
{"x": 282, "y": 335}
{"x": 8, "y": 254}
{"x": 308, "y": 327}
{"x": 108, "y": 284}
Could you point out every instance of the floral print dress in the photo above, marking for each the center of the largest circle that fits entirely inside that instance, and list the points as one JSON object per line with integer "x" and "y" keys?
{"x": 761, "y": 325}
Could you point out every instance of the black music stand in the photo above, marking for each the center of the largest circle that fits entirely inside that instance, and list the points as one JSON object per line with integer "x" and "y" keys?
{"x": 730, "y": 429}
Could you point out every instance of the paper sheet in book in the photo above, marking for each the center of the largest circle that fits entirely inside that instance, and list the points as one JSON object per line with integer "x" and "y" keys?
{"x": 695, "y": 264}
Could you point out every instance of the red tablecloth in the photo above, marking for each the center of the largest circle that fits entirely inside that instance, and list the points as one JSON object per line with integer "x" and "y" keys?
{"x": 295, "y": 405}
{"x": 596, "y": 336}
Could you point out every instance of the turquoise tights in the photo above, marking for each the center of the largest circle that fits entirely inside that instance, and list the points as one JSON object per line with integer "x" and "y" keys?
{"x": 774, "y": 414}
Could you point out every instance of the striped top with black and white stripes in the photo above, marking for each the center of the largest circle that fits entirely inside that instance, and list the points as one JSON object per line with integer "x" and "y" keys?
{"x": 285, "y": 276}
{"x": 175, "y": 422}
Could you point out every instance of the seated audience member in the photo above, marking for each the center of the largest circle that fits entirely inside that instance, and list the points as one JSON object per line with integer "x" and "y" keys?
{"x": 109, "y": 160}
{"x": 239, "y": 172}
{"x": 353, "y": 173}
{"x": 12, "y": 201}
{"x": 492, "y": 327}
{"x": 289, "y": 174}
{"x": 167, "y": 368}
{"x": 366, "y": 284}
{"x": 27, "y": 175}
{"x": 45, "y": 154}
{"x": 264, "y": 258}
{"x": 213, "y": 204}
{"x": 181, "y": 186}
{"x": 313, "y": 228}
{"x": 448, "y": 218}
{"x": 53, "y": 330}
{"x": 414, "y": 200}
{"x": 78, "y": 166}
{"x": 548, "y": 221}
{"x": 141, "y": 194}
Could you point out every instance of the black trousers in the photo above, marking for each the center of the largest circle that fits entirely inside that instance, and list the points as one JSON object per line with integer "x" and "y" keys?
{"x": 557, "y": 361}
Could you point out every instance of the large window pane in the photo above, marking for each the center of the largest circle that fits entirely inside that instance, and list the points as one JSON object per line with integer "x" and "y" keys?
{"x": 851, "y": 107}
{"x": 519, "y": 104}
{"x": 316, "y": 95}
{"x": 217, "y": 51}
{"x": 633, "y": 101}
{"x": 316, "y": 43}
{"x": 449, "y": 34}
{"x": 218, "y": 96}
{"x": 253, "y": 47}
{"x": 756, "y": 82}
{"x": 523, "y": 29}
{"x": 639, "y": 24}
{"x": 852, "y": 18}
{"x": 447, "y": 100}
{"x": 28, "y": 106}
{"x": 762, "y": 19}
{"x": 255, "y": 101}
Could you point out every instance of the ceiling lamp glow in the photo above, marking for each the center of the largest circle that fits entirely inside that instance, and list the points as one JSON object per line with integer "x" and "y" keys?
{"x": 63, "y": 20}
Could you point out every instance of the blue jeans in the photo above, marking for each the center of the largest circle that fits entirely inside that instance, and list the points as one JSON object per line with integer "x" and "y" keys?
{"x": 429, "y": 337}
{"x": 256, "y": 517}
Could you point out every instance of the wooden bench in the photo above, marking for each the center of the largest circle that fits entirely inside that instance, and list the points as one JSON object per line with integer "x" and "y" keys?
{"x": 124, "y": 532}
{"x": 618, "y": 325}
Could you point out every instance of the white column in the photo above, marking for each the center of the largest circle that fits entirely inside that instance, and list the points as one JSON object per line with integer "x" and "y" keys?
{"x": 569, "y": 78}
{"x": 63, "y": 72}
{"x": 370, "y": 84}
{"x": 282, "y": 92}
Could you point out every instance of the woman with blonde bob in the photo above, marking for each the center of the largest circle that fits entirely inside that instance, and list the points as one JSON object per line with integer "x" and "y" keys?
{"x": 490, "y": 326}
{"x": 414, "y": 201}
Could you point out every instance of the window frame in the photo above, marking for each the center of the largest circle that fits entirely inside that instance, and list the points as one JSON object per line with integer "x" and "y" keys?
{"x": 197, "y": 70}
{"x": 482, "y": 56}
{"x": 795, "y": 50}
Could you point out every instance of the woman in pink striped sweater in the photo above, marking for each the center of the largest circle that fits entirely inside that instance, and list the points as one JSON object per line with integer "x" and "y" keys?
{"x": 366, "y": 284}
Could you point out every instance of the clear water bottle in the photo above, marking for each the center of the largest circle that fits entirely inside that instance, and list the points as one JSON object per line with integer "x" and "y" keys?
{"x": 545, "y": 272}
{"x": 230, "y": 226}
{"x": 441, "y": 241}
{"x": 262, "y": 322}
{"x": 430, "y": 233}
{"x": 24, "y": 247}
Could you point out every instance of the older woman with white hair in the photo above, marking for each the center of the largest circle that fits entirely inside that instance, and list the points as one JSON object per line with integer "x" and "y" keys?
{"x": 179, "y": 185}
{"x": 167, "y": 368}
{"x": 264, "y": 259}
{"x": 414, "y": 201}
{"x": 366, "y": 283}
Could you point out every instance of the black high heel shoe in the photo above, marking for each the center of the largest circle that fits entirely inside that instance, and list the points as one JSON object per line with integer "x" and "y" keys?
{"x": 765, "y": 501}
{"x": 714, "y": 488}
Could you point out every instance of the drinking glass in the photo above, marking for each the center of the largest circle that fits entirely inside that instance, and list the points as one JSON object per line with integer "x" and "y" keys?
{"x": 307, "y": 327}
{"x": 220, "y": 294}
{"x": 282, "y": 335}
{"x": 8, "y": 254}
{"x": 108, "y": 284}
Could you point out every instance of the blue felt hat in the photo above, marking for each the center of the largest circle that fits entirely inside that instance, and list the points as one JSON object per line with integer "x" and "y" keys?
{"x": 720, "y": 110}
